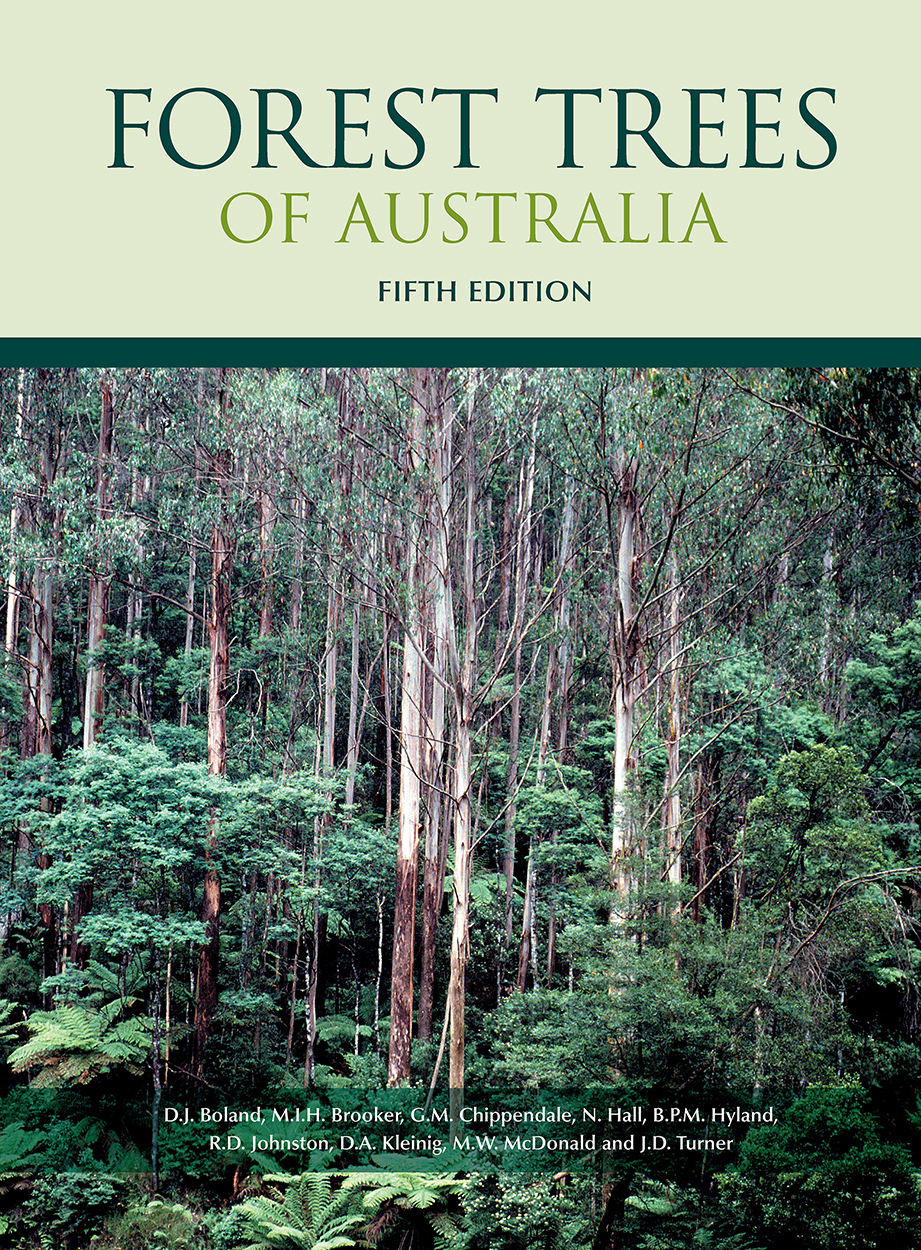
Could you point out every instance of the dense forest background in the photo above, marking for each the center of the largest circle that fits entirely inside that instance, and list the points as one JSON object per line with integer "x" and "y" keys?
{"x": 510, "y": 730}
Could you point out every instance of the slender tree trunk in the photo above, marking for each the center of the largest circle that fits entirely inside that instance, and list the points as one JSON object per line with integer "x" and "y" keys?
{"x": 38, "y": 712}
{"x": 671, "y": 800}
{"x": 330, "y": 673}
{"x": 193, "y": 556}
{"x": 13, "y": 592}
{"x": 387, "y": 711}
{"x": 266, "y": 525}
{"x": 434, "y": 863}
{"x": 461, "y": 916}
{"x": 36, "y": 736}
{"x": 327, "y": 762}
{"x": 155, "y": 1040}
{"x": 435, "y": 680}
{"x": 526, "y": 945}
{"x": 401, "y": 997}
{"x": 351, "y": 761}
{"x": 43, "y": 615}
{"x": 98, "y": 606}
{"x": 378, "y": 898}
{"x": 626, "y": 684}
{"x": 462, "y": 683}
{"x": 706, "y": 784}
{"x": 189, "y": 626}
{"x": 219, "y": 641}
{"x": 97, "y": 616}
{"x": 504, "y": 557}
{"x": 134, "y": 608}
{"x": 556, "y": 690}
{"x": 825, "y": 649}
{"x": 44, "y": 632}
{"x": 299, "y": 510}
{"x": 522, "y": 588}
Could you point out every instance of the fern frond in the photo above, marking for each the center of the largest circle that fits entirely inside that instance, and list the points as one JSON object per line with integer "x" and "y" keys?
{"x": 76, "y": 1043}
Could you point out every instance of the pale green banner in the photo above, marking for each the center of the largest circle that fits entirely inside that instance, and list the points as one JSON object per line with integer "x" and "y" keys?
{"x": 487, "y": 170}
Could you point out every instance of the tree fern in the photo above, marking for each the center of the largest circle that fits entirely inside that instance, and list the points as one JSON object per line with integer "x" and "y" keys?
{"x": 308, "y": 1215}
{"x": 9, "y": 1026}
{"x": 75, "y": 1043}
{"x": 393, "y": 1198}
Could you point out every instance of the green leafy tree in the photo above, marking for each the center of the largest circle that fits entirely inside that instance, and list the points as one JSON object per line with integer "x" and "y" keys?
{"x": 820, "y": 888}
{"x": 886, "y": 684}
{"x": 825, "y": 1179}
{"x": 870, "y": 418}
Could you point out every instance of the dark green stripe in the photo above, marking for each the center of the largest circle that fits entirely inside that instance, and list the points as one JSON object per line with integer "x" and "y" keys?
{"x": 171, "y": 352}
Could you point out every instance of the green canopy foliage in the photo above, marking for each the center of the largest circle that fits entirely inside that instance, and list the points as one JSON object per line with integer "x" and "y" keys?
{"x": 672, "y": 617}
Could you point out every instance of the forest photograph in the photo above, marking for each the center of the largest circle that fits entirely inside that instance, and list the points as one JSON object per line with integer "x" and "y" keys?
{"x": 460, "y": 808}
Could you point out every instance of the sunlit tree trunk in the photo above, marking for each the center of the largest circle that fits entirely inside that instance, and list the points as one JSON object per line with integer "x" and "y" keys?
{"x": 13, "y": 589}
{"x": 97, "y": 614}
{"x": 627, "y": 676}
{"x": 219, "y": 643}
{"x": 411, "y": 754}
{"x": 434, "y": 683}
{"x": 462, "y": 683}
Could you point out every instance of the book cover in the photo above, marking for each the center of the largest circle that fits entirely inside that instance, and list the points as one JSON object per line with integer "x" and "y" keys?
{"x": 458, "y": 690}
